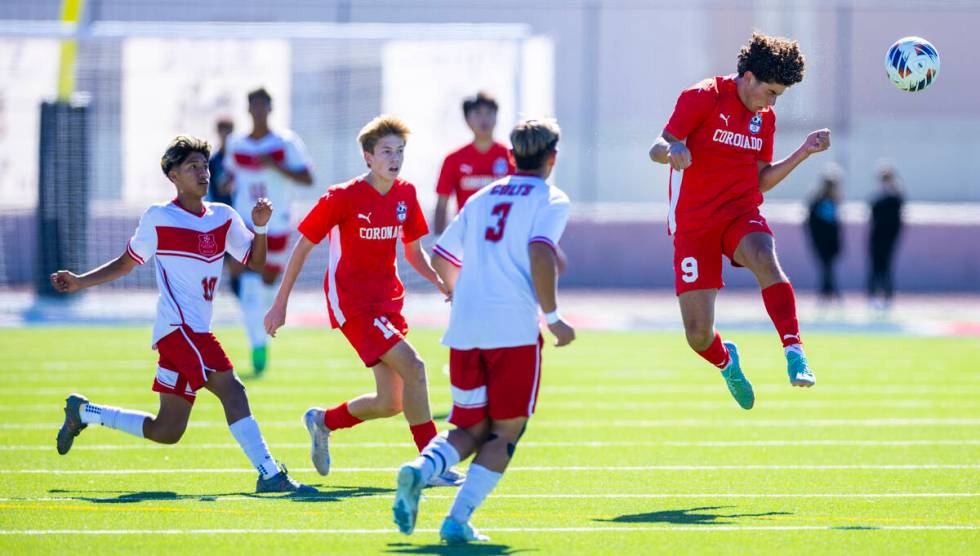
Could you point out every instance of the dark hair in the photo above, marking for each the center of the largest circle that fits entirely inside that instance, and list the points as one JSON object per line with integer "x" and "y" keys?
{"x": 481, "y": 98}
{"x": 259, "y": 93}
{"x": 180, "y": 148}
{"x": 225, "y": 123}
{"x": 772, "y": 59}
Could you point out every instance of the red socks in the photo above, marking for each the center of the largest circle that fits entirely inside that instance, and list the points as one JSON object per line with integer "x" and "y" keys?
{"x": 781, "y": 305}
{"x": 339, "y": 418}
{"x": 423, "y": 433}
{"x": 717, "y": 353}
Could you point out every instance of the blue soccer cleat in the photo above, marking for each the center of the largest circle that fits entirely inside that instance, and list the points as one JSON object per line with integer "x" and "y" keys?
{"x": 282, "y": 482}
{"x": 738, "y": 385}
{"x": 799, "y": 371}
{"x": 319, "y": 440}
{"x": 454, "y": 532}
{"x": 406, "y": 508}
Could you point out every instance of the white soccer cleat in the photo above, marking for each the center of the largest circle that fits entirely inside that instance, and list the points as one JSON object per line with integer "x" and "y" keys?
{"x": 449, "y": 477}
{"x": 320, "y": 439}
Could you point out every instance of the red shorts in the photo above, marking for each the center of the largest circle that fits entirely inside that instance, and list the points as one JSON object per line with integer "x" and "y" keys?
{"x": 186, "y": 358}
{"x": 697, "y": 256}
{"x": 372, "y": 337}
{"x": 277, "y": 253}
{"x": 497, "y": 383}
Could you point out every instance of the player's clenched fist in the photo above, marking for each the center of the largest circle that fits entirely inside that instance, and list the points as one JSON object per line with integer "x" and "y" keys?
{"x": 564, "y": 333}
{"x": 678, "y": 156}
{"x": 64, "y": 281}
{"x": 817, "y": 141}
{"x": 275, "y": 318}
{"x": 262, "y": 212}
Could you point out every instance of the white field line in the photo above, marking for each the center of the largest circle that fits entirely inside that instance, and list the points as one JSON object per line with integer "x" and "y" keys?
{"x": 740, "y": 423}
{"x": 593, "y": 405}
{"x": 625, "y": 389}
{"x": 559, "y": 468}
{"x": 651, "y": 529}
{"x": 197, "y": 498}
{"x": 527, "y": 444}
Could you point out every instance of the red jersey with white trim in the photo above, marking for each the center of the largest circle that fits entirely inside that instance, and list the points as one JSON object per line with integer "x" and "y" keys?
{"x": 494, "y": 303}
{"x": 190, "y": 250}
{"x": 466, "y": 170}
{"x": 252, "y": 179}
{"x": 727, "y": 141}
{"x": 363, "y": 227}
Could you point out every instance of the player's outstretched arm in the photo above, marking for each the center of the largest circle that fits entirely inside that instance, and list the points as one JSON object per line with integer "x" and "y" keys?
{"x": 417, "y": 257}
{"x": 261, "y": 213}
{"x": 67, "y": 282}
{"x": 771, "y": 174}
{"x": 276, "y": 316}
{"x": 668, "y": 149}
{"x": 544, "y": 275}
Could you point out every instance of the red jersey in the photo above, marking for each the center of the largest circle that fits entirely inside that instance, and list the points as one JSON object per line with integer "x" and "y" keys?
{"x": 363, "y": 227}
{"x": 466, "y": 170}
{"x": 726, "y": 141}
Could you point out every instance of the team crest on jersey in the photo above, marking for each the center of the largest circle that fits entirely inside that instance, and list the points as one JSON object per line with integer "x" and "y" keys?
{"x": 402, "y": 211}
{"x": 206, "y": 245}
{"x": 500, "y": 167}
{"x": 755, "y": 125}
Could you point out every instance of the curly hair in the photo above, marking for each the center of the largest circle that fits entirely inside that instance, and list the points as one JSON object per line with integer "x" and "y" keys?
{"x": 772, "y": 59}
{"x": 180, "y": 148}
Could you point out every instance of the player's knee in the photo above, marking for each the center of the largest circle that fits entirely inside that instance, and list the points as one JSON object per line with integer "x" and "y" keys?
{"x": 167, "y": 433}
{"x": 389, "y": 406}
{"x": 699, "y": 335}
{"x": 415, "y": 374}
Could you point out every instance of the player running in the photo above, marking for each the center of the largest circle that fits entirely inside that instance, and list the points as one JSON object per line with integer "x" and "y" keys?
{"x": 721, "y": 137}
{"x": 500, "y": 258}
{"x": 189, "y": 238}
{"x": 264, "y": 164}
{"x": 472, "y": 166}
{"x": 363, "y": 219}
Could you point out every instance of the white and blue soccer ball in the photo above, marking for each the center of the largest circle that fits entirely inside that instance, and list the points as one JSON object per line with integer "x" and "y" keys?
{"x": 912, "y": 63}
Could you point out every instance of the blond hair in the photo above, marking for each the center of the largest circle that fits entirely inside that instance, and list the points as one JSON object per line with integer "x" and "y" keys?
{"x": 533, "y": 140}
{"x": 381, "y": 126}
{"x": 180, "y": 148}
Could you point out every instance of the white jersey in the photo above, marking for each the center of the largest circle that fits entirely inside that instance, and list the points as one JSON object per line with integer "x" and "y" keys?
{"x": 190, "y": 250}
{"x": 253, "y": 180}
{"x": 494, "y": 303}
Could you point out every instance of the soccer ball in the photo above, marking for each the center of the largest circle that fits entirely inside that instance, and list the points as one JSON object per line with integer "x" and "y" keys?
{"x": 912, "y": 63}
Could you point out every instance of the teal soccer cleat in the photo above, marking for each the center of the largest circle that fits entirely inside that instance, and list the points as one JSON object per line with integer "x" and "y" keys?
{"x": 738, "y": 385}
{"x": 799, "y": 371}
{"x": 454, "y": 532}
{"x": 406, "y": 508}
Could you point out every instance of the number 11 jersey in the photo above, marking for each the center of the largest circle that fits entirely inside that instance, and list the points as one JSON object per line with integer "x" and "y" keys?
{"x": 494, "y": 303}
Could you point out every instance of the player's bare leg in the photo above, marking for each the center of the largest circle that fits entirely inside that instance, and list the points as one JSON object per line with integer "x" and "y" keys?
{"x": 170, "y": 422}
{"x": 273, "y": 476}
{"x": 757, "y": 252}
{"x": 485, "y": 472}
{"x": 698, "y": 315}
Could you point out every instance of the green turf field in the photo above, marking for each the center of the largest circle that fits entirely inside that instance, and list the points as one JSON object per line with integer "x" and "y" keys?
{"x": 636, "y": 448}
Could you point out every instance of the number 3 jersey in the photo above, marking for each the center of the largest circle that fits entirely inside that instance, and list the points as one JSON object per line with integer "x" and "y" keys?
{"x": 494, "y": 303}
{"x": 190, "y": 250}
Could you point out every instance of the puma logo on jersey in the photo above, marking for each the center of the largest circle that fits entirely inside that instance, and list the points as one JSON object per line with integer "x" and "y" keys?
{"x": 365, "y": 217}
{"x": 759, "y": 222}
{"x": 725, "y": 118}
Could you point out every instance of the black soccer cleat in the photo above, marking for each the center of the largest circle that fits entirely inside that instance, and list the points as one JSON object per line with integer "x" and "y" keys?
{"x": 282, "y": 482}
{"x": 73, "y": 424}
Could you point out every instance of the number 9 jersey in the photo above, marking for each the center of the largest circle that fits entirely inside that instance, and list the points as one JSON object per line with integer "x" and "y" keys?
{"x": 494, "y": 303}
{"x": 190, "y": 250}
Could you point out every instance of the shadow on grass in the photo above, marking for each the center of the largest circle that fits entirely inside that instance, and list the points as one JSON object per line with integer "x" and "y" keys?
{"x": 477, "y": 549}
{"x": 686, "y": 517}
{"x": 335, "y": 494}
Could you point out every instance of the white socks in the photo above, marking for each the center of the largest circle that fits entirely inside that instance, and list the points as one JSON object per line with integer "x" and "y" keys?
{"x": 479, "y": 482}
{"x": 254, "y": 303}
{"x": 438, "y": 456}
{"x": 125, "y": 420}
{"x": 246, "y": 432}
